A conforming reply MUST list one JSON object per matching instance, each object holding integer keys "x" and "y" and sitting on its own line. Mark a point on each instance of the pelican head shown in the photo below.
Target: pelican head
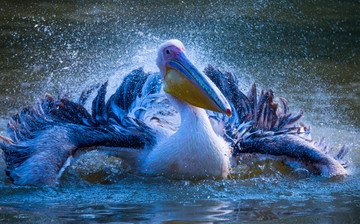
{"x": 183, "y": 80}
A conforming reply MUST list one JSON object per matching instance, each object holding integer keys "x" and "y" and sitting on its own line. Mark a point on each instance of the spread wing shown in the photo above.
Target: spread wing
{"x": 259, "y": 125}
{"x": 45, "y": 136}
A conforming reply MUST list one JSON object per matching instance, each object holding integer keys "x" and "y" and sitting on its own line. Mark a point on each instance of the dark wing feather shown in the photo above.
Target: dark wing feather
{"x": 45, "y": 136}
{"x": 260, "y": 126}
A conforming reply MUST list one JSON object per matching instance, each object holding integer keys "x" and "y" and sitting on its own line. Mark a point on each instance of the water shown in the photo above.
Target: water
{"x": 307, "y": 52}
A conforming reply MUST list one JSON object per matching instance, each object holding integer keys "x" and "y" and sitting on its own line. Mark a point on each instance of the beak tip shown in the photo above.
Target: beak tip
{"x": 228, "y": 112}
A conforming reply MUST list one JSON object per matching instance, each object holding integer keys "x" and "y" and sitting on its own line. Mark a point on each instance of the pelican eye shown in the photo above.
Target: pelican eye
{"x": 167, "y": 52}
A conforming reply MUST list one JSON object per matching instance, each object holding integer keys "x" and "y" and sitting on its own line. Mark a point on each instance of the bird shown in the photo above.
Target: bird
{"x": 179, "y": 123}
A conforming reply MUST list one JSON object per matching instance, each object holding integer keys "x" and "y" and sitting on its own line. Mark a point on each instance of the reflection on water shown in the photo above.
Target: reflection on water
{"x": 306, "y": 51}
{"x": 155, "y": 201}
{"x": 198, "y": 211}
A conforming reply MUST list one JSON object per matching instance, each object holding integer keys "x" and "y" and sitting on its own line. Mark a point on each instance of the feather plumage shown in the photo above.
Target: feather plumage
{"x": 170, "y": 136}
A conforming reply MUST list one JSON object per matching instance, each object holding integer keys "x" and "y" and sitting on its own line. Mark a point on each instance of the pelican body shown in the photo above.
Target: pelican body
{"x": 195, "y": 150}
{"x": 179, "y": 123}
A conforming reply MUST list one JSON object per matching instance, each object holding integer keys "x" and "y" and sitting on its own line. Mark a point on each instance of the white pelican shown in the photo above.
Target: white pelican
{"x": 177, "y": 124}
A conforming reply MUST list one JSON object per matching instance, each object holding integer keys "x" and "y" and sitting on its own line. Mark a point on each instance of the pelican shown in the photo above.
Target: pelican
{"x": 181, "y": 123}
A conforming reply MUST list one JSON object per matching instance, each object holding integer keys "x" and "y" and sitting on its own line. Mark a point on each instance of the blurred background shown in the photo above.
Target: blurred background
{"x": 306, "y": 51}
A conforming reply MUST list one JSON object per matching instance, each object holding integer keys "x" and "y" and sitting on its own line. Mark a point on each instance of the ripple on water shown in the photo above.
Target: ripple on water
{"x": 306, "y": 51}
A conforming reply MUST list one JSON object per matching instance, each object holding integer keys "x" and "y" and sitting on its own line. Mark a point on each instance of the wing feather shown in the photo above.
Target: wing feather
{"x": 260, "y": 126}
{"x": 43, "y": 137}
